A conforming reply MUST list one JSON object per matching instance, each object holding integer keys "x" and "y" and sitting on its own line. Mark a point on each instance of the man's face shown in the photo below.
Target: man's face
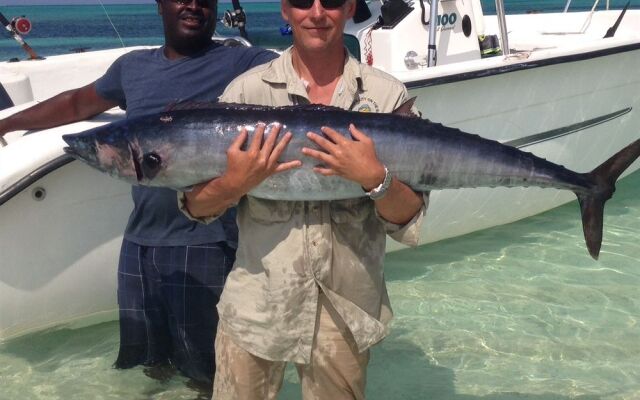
{"x": 188, "y": 20}
{"x": 317, "y": 28}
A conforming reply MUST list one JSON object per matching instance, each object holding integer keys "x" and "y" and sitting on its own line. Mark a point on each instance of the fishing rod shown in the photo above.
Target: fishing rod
{"x": 111, "y": 22}
{"x": 236, "y": 19}
{"x": 18, "y": 27}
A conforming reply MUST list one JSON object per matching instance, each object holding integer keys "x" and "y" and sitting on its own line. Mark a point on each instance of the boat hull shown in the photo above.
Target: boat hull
{"x": 563, "y": 112}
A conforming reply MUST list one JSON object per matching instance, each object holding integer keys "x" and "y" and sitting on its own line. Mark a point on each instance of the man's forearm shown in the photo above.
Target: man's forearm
{"x": 400, "y": 204}
{"x": 70, "y": 106}
{"x": 212, "y": 198}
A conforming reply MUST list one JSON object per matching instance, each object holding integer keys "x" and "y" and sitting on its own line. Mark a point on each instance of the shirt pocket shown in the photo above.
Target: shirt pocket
{"x": 351, "y": 210}
{"x": 269, "y": 211}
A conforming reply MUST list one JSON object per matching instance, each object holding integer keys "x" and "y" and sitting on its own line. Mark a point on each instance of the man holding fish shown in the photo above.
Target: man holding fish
{"x": 308, "y": 285}
{"x": 171, "y": 269}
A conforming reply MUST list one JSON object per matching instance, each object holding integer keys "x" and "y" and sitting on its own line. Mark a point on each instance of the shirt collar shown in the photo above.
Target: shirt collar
{"x": 281, "y": 71}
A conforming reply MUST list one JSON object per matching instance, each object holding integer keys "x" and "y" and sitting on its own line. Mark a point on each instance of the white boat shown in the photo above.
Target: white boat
{"x": 562, "y": 92}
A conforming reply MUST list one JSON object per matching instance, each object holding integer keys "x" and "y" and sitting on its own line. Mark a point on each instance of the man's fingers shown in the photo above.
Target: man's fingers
{"x": 324, "y": 143}
{"x": 324, "y": 171}
{"x": 239, "y": 140}
{"x": 288, "y": 165}
{"x": 280, "y": 147}
{"x": 356, "y": 133}
{"x": 319, "y": 155}
{"x": 258, "y": 135}
{"x": 333, "y": 135}
{"x": 270, "y": 142}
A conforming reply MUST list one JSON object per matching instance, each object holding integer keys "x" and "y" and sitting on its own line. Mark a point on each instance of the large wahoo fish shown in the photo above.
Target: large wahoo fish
{"x": 182, "y": 147}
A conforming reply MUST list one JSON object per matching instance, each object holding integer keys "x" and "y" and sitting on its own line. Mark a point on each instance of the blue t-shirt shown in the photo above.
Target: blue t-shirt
{"x": 144, "y": 82}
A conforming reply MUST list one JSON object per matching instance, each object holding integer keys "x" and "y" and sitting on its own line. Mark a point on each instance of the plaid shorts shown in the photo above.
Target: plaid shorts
{"x": 167, "y": 298}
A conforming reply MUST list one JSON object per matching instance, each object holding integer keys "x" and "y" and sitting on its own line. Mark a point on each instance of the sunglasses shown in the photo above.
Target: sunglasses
{"x": 326, "y": 4}
{"x": 201, "y": 3}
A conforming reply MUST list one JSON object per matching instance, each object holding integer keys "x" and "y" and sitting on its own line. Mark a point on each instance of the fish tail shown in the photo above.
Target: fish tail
{"x": 592, "y": 202}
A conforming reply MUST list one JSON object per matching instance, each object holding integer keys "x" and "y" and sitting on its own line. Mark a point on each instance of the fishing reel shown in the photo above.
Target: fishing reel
{"x": 20, "y": 25}
{"x": 234, "y": 19}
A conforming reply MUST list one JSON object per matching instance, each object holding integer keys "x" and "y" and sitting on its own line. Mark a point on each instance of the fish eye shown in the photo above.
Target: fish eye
{"x": 151, "y": 163}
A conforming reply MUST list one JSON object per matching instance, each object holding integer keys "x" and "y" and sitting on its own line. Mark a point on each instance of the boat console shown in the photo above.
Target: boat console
{"x": 397, "y": 37}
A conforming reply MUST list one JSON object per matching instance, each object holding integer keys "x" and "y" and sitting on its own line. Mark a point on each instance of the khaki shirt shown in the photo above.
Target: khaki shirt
{"x": 289, "y": 250}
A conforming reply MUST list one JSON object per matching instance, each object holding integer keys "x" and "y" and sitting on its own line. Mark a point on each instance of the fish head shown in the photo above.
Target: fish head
{"x": 108, "y": 149}
{"x": 119, "y": 150}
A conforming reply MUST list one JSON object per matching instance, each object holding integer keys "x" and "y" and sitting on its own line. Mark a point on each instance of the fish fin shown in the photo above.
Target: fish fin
{"x": 592, "y": 202}
{"x": 592, "y": 209}
{"x": 406, "y": 109}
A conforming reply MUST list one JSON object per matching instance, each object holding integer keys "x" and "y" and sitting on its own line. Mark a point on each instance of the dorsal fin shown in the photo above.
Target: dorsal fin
{"x": 405, "y": 109}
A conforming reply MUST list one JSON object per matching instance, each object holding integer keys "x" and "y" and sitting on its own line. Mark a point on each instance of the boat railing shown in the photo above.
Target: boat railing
{"x": 568, "y": 3}
{"x": 502, "y": 24}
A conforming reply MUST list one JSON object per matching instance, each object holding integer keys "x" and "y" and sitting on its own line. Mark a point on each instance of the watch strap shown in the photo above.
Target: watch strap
{"x": 380, "y": 191}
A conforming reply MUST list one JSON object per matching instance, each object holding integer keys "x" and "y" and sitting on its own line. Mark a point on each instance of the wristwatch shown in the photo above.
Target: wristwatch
{"x": 380, "y": 191}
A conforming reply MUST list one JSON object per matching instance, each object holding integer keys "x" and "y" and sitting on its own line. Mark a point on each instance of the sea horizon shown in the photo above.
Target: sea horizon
{"x": 60, "y": 26}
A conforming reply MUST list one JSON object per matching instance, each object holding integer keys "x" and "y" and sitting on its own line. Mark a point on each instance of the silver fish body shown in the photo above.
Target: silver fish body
{"x": 180, "y": 148}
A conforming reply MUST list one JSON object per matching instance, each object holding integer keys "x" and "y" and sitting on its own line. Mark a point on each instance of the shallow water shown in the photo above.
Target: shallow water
{"x": 515, "y": 312}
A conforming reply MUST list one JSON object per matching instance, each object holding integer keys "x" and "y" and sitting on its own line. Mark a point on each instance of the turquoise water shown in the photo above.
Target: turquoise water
{"x": 515, "y": 312}
{"x": 61, "y": 29}
{"x": 64, "y": 29}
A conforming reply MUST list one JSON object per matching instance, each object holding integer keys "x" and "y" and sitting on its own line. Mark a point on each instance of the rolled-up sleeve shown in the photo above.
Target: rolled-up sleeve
{"x": 409, "y": 233}
{"x": 232, "y": 94}
{"x": 182, "y": 205}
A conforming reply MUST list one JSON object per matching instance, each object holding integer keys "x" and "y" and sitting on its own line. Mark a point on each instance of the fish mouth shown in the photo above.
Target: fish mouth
{"x": 71, "y": 151}
{"x": 79, "y": 147}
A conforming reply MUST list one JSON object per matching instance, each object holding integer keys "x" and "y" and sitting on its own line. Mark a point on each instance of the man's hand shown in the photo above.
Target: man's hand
{"x": 353, "y": 159}
{"x": 246, "y": 169}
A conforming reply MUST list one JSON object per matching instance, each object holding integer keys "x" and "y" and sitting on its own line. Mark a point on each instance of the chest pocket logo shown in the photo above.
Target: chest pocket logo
{"x": 366, "y": 104}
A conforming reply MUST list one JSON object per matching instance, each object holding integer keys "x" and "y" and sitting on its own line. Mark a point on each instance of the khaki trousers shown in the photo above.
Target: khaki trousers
{"x": 337, "y": 371}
